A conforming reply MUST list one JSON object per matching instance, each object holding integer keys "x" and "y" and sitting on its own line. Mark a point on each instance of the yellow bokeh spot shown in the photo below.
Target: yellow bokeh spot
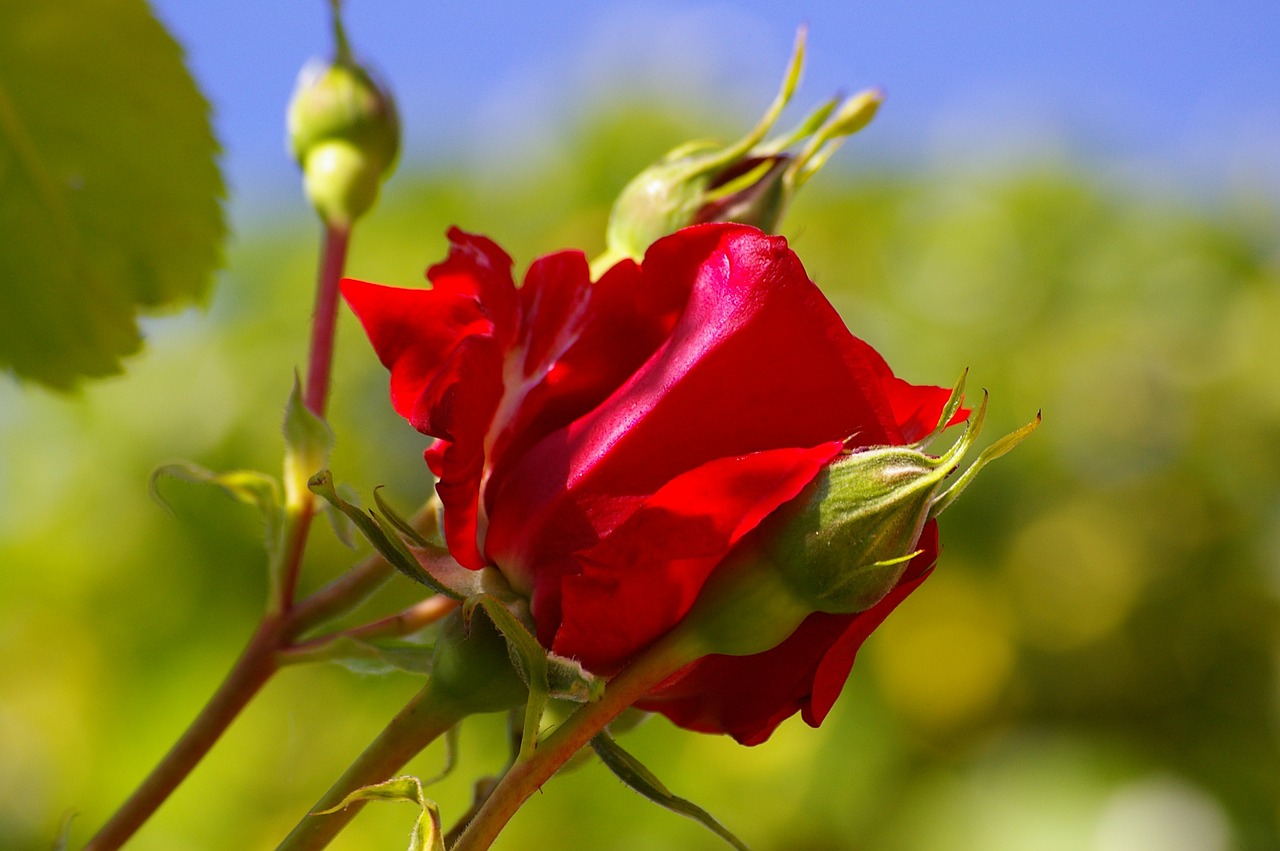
{"x": 1075, "y": 574}
{"x": 945, "y": 655}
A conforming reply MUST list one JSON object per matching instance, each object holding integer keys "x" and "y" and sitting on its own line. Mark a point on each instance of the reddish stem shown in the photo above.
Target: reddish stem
{"x": 252, "y": 670}
{"x": 280, "y": 625}
{"x": 324, "y": 320}
{"x": 524, "y": 778}
{"x": 423, "y": 719}
{"x": 333, "y": 258}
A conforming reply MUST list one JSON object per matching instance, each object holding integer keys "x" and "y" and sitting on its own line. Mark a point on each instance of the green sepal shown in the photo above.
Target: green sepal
{"x": 568, "y": 680}
{"x": 427, "y": 834}
{"x": 404, "y": 527}
{"x": 472, "y": 669}
{"x": 343, "y": 528}
{"x": 344, "y": 132}
{"x": 446, "y": 576}
{"x": 248, "y": 486}
{"x": 632, "y": 772}
{"x": 985, "y": 457}
{"x": 527, "y": 657}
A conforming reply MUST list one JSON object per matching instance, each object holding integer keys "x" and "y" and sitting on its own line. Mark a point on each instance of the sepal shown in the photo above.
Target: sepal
{"x": 839, "y": 547}
{"x": 430, "y": 565}
{"x": 544, "y": 674}
{"x": 370, "y": 657}
{"x": 427, "y": 834}
{"x": 472, "y": 668}
{"x": 848, "y": 540}
{"x": 633, "y": 773}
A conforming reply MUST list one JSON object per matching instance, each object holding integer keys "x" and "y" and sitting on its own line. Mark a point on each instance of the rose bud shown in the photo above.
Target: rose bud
{"x": 344, "y": 133}
{"x": 750, "y": 182}
{"x": 842, "y": 545}
{"x": 607, "y": 447}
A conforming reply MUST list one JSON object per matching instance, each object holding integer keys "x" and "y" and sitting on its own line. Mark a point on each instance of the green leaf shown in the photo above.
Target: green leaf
{"x": 373, "y": 657}
{"x": 632, "y": 772}
{"x": 427, "y": 835}
{"x": 109, "y": 187}
{"x": 247, "y": 486}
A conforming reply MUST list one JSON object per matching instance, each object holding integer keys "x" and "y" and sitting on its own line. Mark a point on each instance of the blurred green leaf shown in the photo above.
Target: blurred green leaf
{"x": 109, "y": 188}
{"x": 248, "y": 486}
{"x": 378, "y": 657}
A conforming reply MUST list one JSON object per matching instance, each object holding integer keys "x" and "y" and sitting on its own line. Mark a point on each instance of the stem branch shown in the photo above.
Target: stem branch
{"x": 254, "y": 667}
{"x": 333, "y": 258}
{"x": 423, "y": 719}
{"x": 655, "y": 665}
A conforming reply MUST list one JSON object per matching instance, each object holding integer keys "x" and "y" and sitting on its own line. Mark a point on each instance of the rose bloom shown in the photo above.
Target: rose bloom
{"x": 605, "y": 445}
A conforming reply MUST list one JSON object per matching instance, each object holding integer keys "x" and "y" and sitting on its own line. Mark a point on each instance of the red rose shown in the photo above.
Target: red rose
{"x": 606, "y": 445}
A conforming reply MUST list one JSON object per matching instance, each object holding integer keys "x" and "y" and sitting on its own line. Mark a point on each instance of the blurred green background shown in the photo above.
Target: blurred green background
{"x": 1093, "y": 665}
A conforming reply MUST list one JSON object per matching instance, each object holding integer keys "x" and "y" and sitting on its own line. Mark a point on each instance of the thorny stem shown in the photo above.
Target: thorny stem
{"x": 253, "y": 669}
{"x": 333, "y": 259}
{"x": 425, "y": 718}
{"x": 260, "y": 659}
{"x": 655, "y": 665}
{"x": 285, "y": 620}
{"x": 324, "y": 318}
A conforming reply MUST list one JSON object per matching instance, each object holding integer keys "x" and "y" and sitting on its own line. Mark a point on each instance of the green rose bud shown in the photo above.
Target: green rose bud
{"x": 840, "y": 546}
{"x": 345, "y": 134}
{"x": 751, "y": 181}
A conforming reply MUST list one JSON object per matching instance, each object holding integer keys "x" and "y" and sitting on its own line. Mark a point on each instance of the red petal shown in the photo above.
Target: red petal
{"x": 477, "y": 268}
{"x": 642, "y": 579}
{"x": 412, "y": 331}
{"x": 584, "y": 340}
{"x": 757, "y": 360}
{"x": 458, "y": 407}
{"x": 917, "y": 408}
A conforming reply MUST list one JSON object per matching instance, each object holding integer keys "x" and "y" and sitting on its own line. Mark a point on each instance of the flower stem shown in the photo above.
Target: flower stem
{"x": 651, "y": 668}
{"x": 333, "y": 259}
{"x": 324, "y": 318}
{"x": 425, "y": 718}
{"x": 254, "y": 667}
{"x": 283, "y": 621}
{"x": 416, "y": 617}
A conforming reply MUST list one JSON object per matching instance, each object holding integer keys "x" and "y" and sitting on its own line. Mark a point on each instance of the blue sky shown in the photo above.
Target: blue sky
{"x": 1185, "y": 91}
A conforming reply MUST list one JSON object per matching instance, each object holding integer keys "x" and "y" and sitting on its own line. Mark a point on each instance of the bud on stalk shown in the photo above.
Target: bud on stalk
{"x": 345, "y": 134}
{"x": 750, "y": 181}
